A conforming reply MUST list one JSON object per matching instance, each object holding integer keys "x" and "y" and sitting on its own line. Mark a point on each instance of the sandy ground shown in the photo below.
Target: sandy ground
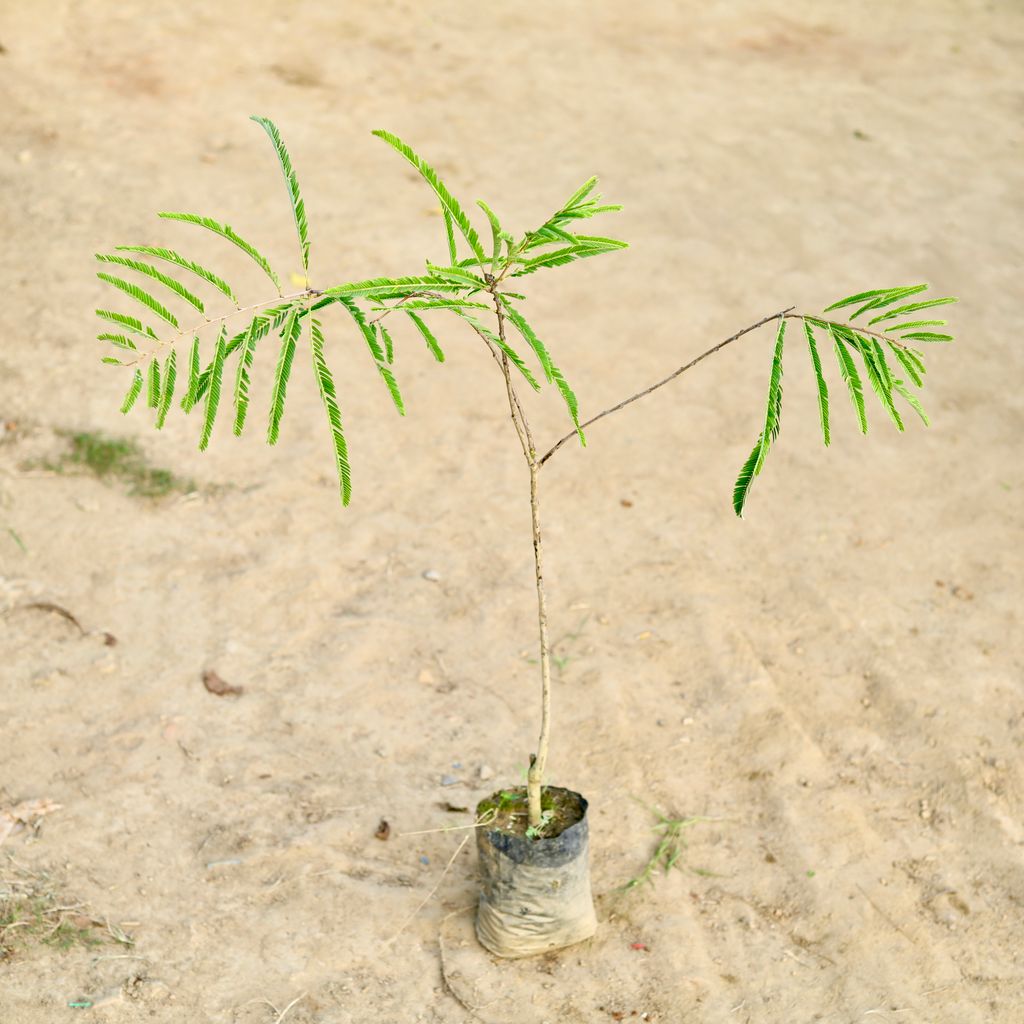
{"x": 835, "y": 682}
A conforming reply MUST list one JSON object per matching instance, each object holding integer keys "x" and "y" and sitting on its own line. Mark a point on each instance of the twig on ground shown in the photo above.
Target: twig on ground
{"x": 426, "y": 899}
{"x": 446, "y": 980}
{"x": 281, "y": 1015}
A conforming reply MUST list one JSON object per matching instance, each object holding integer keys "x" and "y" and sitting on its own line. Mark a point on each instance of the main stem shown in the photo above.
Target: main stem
{"x": 535, "y": 776}
{"x": 538, "y": 761}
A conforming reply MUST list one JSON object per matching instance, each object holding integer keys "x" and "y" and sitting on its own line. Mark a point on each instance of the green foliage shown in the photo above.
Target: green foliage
{"x": 770, "y": 431}
{"x": 213, "y": 391}
{"x": 329, "y": 397}
{"x": 668, "y": 851}
{"x": 157, "y": 275}
{"x": 812, "y": 345}
{"x": 858, "y": 350}
{"x": 471, "y": 289}
{"x": 133, "y": 392}
{"x": 139, "y": 295}
{"x": 225, "y": 231}
{"x": 453, "y": 212}
{"x": 289, "y": 336}
{"x": 298, "y": 206}
{"x": 170, "y": 375}
{"x": 428, "y": 336}
{"x": 552, "y": 372}
{"x": 127, "y": 323}
{"x": 180, "y": 261}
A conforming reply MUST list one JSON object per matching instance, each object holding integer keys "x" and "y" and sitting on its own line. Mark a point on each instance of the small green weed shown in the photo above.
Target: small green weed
{"x": 668, "y": 854}
{"x": 33, "y": 912}
{"x": 119, "y": 458}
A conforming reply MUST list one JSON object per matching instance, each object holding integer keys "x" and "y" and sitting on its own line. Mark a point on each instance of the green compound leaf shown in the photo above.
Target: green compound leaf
{"x": 927, "y": 336}
{"x": 891, "y": 296}
{"x": 180, "y": 261}
{"x": 191, "y": 395}
{"x": 428, "y": 336}
{"x": 392, "y": 384}
{"x": 289, "y": 335}
{"x": 879, "y": 376}
{"x": 772, "y": 421}
{"x": 392, "y": 288}
{"x": 127, "y": 323}
{"x": 449, "y": 204}
{"x": 330, "y": 399}
{"x": 298, "y": 206}
{"x": 911, "y": 400}
{"x": 245, "y": 360}
{"x": 457, "y": 275}
{"x": 449, "y": 231}
{"x": 367, "y": 330}
{"x": 896, "y": 328}
{"x": 225, "y": 231}
{"x": 848, "y": 370}
{"x": 157, "y": 275}
{"x": 742, "y": 486}
{"x": 513, "y": 357}
{"x": 822, "y": 386}
{"x": 496, "y": 234}
{"x": 135, "y": 292}
{"x": 876, "y": 298}
{"x": 551, "y": 371}
{"x": 213, "y": 390}
{"x": 582, "y": 248}
{"x": 389, "y": 344}
{"x": 153, "y": 384}
{"x": 119, "y": 340}
{"x": 913, "y": 366}
{"x": 913, "y": 307}
{"x": 134, "y": 391}
{"x": 170, "y": 375}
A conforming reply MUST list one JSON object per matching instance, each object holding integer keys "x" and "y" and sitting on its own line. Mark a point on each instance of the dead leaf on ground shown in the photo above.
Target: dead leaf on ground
{"x": 217, "y": 686}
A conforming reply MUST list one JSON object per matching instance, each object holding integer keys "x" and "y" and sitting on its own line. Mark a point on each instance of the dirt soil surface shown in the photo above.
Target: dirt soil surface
{"x": 833, "y": 685}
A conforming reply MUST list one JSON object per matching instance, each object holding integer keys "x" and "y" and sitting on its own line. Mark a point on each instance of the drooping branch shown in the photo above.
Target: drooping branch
{"x": 667, "y": 380}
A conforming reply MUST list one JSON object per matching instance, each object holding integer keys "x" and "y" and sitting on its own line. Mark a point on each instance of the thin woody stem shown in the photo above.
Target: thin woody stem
{"x": 661, "y": 383}
{"x": 538, "y": 761}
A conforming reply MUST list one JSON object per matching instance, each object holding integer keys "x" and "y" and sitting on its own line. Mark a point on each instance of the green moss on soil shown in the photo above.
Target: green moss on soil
{"x": 508, "y": 811}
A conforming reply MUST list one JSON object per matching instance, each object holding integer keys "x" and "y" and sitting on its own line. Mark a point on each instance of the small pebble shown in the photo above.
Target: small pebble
{"x": 424, "y": 859}
{"x": 448, "y": 780}
{"x": 456, "y": 765}
{"x": 486, "y": 772}
{"x": 432, "y": 574}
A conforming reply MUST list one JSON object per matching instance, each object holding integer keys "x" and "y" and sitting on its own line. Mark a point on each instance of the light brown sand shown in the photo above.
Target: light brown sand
{"x": 835, "y": 681}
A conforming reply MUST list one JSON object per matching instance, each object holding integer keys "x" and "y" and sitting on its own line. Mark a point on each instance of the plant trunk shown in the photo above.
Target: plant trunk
{"x": 538, "y": 761}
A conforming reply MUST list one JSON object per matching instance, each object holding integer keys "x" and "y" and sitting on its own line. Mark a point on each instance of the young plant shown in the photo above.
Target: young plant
{"x": 474, "y": 283}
